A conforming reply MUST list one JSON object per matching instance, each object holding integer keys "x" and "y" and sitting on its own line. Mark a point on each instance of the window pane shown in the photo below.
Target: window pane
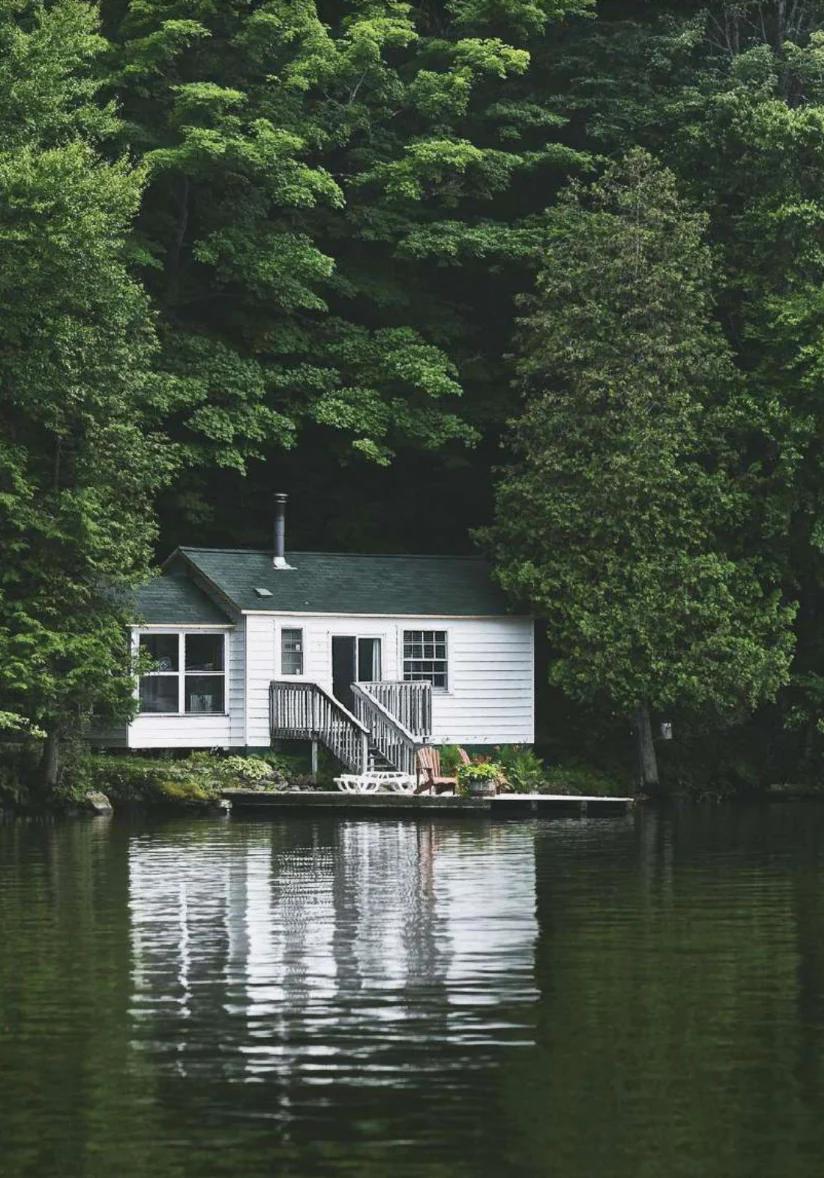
{"x": 158, "y": 693}
{"x": 369, "y": 660}
{"x": 204, "y": 652}
{"x": 162, "y": 648}
{"x": 291, "y": 652}
{"x": 204, "y": 693}
{"x": 424, "y": 657}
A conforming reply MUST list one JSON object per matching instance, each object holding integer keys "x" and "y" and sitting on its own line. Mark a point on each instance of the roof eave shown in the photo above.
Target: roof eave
{"x": 214, "y": 588}
{"x": 330, "y": 613}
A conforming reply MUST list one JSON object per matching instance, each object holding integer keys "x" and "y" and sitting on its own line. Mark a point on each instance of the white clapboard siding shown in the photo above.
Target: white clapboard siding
{"x": 197, "y": 730}
{"x": 260, "y": 671}
{"x": 236, "y": 685}
{"x": 179, "y": 732}
{"x": 490, "y": 698}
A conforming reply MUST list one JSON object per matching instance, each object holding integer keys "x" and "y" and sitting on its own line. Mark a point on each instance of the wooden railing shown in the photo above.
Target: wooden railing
{"x": 409, "y": 703}
{"x": 306, "y": 711}
{"x": 388, "y": 735}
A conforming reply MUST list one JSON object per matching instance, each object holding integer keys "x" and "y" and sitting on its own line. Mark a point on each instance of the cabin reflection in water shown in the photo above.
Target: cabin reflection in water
{"x": 331, "y": 951}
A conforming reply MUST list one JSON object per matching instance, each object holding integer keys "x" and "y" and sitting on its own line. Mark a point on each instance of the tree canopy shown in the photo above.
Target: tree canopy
{"x": 281, "y": 244}
{"x": 78, "y": 469}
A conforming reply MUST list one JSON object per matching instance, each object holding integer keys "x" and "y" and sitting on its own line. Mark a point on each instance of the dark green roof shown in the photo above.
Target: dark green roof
{"x": 336, "y": 583}
{"x": 173, "y": 599}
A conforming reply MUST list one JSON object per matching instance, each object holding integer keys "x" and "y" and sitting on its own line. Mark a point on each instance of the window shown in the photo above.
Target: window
{"x": 424, "y": 657}
{"x": 188, "y": 675}
{"x": 369, "y": 660}
{"x": 160, "y": 688}
{"x": 291, "y": 652}
{"x": 204, "y": 678}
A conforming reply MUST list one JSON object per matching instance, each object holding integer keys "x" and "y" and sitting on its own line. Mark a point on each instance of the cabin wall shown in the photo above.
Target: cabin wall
{"x": 184, "y": 731}
{"x": 260, "y": 671}
{"x": 491, "y": 694}
{"x": 490, "y": 698}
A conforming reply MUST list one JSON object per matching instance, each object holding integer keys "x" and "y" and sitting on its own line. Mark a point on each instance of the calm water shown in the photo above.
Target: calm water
{"x": 630, "y": 998}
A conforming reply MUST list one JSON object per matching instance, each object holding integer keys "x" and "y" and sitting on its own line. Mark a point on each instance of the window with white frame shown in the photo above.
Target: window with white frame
{"x": 425, "y": 657}
{"x": 187, "y": 675}
{"x": 291, "y": 652}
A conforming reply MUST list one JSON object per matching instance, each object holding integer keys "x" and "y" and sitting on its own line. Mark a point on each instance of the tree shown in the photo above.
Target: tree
{"x": 326, "y": 218}
{"x": 630, "y": 516}
{"x": 78, "y": 468}
{"x": 730, "y": 97}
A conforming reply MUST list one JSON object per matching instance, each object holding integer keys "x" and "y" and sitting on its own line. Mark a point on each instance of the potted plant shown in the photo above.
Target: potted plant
{"x": 480, "y": 779}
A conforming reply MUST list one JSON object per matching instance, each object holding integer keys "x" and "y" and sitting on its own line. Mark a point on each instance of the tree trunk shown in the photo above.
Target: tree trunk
{"x": 50, "y": 763}
{"x": 647, "y": 759}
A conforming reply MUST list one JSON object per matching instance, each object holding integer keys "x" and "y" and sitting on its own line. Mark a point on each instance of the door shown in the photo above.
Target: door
{"x": 354, "y": 660}
{"x": 343, "y": 668}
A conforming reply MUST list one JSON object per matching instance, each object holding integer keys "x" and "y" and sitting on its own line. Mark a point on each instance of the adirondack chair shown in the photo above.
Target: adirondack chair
{"x": 429, "y": 770}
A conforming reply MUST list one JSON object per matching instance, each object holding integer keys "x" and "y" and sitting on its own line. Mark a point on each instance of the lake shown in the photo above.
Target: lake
{"x": 632, "y": 997}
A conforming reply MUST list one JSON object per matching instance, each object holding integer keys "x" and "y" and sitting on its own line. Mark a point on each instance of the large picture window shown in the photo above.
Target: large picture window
{"x": 188, "y": 673}
{"x": 425, "y": 657}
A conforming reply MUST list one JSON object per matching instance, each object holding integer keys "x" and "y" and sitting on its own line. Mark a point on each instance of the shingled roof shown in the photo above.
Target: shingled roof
{"x": 174, "y": 599}
{"x": 338, "y": 583}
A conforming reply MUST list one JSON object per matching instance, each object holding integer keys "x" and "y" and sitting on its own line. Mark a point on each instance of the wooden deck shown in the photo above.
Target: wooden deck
{"x": 507, "y": 805}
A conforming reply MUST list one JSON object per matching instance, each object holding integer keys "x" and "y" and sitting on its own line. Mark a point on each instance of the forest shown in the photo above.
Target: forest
{"x": 538, "y": 278}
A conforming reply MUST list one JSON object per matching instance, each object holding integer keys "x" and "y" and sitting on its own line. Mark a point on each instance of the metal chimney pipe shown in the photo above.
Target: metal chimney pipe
{"x": 279, "y": 560}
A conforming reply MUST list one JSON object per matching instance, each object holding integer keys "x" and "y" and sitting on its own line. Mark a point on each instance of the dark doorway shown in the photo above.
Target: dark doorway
{"x": 343, "y": 668}
{"x": 354, "y": 660}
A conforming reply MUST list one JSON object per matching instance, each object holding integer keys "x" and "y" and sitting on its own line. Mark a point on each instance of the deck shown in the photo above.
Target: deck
{"x": 506, "y": 805}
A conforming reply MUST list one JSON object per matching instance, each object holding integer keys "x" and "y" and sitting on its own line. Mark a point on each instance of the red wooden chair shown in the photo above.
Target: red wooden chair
{"x": 429, "y": 770}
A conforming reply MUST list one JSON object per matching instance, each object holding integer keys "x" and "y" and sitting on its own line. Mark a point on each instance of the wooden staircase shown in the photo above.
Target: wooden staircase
{"x": 390, "y": 722}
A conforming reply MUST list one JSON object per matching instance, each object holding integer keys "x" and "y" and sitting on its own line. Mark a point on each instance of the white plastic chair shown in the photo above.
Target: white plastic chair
{"x": 357, "y": 783}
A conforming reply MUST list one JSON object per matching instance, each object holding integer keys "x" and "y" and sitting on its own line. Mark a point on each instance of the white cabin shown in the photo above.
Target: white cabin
{"x": 371, "y": 655}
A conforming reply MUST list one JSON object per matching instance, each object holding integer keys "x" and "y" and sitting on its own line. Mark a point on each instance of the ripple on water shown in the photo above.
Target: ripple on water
{"x": 619, "y": 997}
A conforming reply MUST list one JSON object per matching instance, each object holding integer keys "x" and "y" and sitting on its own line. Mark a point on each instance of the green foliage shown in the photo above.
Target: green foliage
{"x": 523, "y": 768}
{"x": 248, "y": 772}
{"x": 298, "y": 160}
{"x": 579, "y": 779}
{"x": 78, "y": 467}
{"x": 239, "y": 238}
{"x": 20, "y": 726}
{"x": 130, "y": 780}
{"x": 451, "y": 759}
{"x": 730, "y": 96}
{"x": 196, "y": 779}
{"x": 622, "y": 520}
{"x": 479, "y": 772}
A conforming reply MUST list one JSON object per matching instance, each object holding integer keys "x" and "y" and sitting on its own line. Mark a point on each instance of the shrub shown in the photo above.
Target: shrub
{"x": 450, "y": 760}
{"x": 479, "y": 771}
{"x": 525, "y": 771}
{"x": 128, "y": 780}
{"x": 581, "y": 779}
{"x": 249, "y": 772}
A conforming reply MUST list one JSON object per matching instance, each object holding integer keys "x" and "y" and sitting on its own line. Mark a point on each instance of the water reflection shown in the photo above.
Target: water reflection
{"x": 331, "y": 953}
{"x": 314, "y": 997}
